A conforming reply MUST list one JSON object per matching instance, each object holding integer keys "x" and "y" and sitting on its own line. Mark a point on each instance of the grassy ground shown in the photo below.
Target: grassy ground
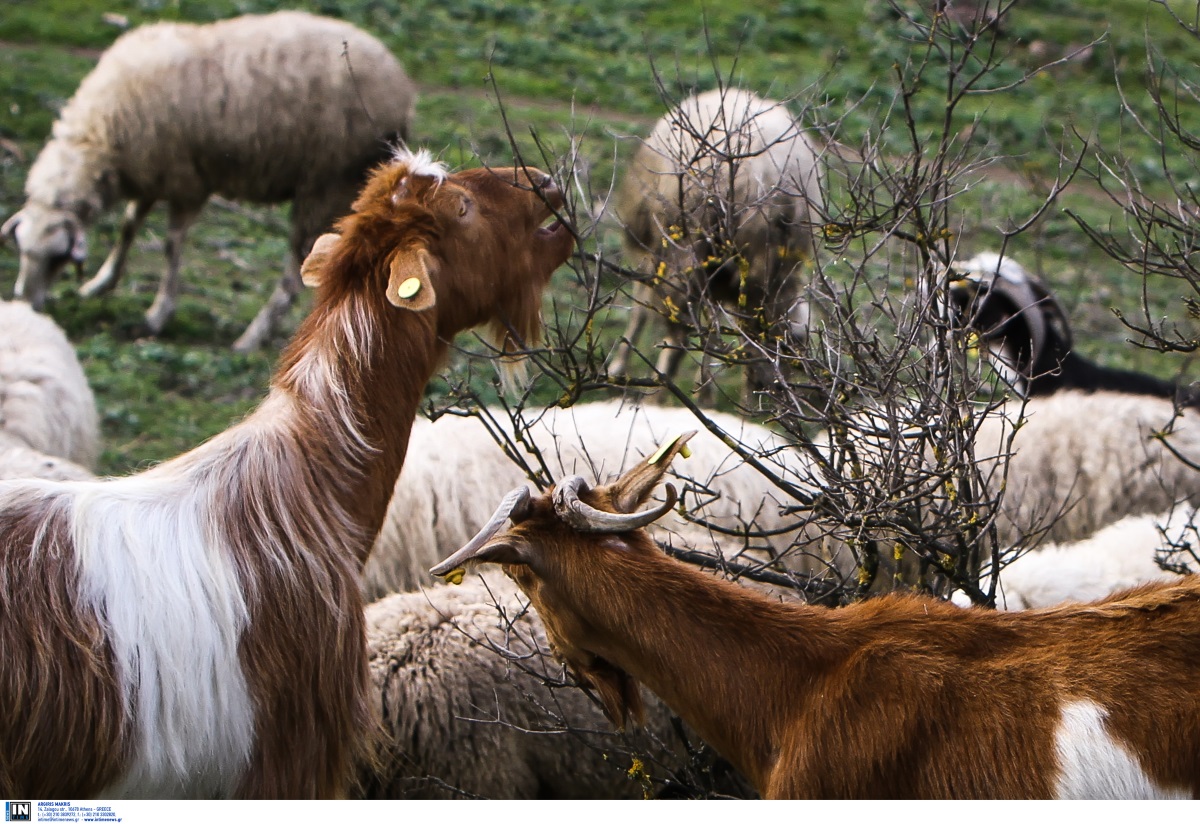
{"x": 573, "y": 74}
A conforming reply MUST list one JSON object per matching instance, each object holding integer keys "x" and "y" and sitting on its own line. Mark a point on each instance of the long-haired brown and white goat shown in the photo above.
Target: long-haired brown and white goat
{"x": 197, "y": 630}
{"x": 900, "y": 696}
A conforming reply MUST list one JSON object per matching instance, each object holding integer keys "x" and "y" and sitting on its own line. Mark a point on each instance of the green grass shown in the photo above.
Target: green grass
{"x": 581, "y": 75}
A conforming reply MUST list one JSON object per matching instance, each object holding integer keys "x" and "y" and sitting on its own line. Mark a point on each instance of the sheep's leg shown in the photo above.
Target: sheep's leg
{"x": 114, "y": 265}
{"x": 280, "y": 301}
{"x": 642, "y": 295}
{"x": 706, "y": 392}
{"x": 672, "y": 352}
{"x": 179, "y": 221}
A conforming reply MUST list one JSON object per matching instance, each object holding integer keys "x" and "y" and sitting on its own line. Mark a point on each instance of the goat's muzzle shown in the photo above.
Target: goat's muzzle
{"x": 515, "y": 506}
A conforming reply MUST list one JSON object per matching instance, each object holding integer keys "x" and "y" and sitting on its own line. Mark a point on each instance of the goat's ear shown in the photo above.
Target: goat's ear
{"x": 503, "y": 550}
{"x": 410, "y": 281}
{"x": 618, "y": 693}
{"x": 312, "y": 270}
{"x": 632, "y": 490}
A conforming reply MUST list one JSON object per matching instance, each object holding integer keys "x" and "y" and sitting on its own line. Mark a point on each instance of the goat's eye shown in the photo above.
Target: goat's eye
{"x": 464, "y": 206}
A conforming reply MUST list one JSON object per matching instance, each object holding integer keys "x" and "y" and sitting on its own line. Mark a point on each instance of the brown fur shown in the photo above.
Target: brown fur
{"x": 489, "y": 272}
{"x": 898, "y": 697}
{"x": 295, "y": 494}
{"x": 42, "y": 626}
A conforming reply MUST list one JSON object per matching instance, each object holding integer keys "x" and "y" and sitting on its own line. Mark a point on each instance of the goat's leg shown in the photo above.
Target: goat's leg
{"x": 179, "y": 221}
{"x": 114, "y": 265}
{"x": 280, "y": 301}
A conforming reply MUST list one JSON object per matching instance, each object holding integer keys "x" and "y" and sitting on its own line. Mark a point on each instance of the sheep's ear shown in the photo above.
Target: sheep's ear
{"x": 410, "y": 282}
{"x": 9, "y": 229}
{"x": 312, "y": 270}
{"x": 619, "y": 695}
{"x": 632, "y": 490}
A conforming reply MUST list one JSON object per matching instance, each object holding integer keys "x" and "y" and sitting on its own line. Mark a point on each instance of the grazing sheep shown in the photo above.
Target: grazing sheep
{"x": 719, "y": 205}
{"x": 473, "y": 706}
{"x": 47, "y": 410}
{"x": 1028, "y": 336}
{"x": 895, "y": 697}
{"x": 197, "y": 629}
{"x": 269, "y": 108}
{"x": 455, "y": 469}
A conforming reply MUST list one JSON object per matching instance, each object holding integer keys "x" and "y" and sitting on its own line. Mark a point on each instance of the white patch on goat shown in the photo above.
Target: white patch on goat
{"x": 1092, "y": 764}
{"x": 421, "y": 163}
{"x": 168, "y": 595}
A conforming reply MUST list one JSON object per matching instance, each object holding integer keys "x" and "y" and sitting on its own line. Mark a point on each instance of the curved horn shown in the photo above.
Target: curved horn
{"x": 586, "y": 518}
{"x": 515, "y": 505}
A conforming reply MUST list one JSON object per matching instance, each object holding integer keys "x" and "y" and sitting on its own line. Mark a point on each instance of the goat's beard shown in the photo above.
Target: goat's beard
{"x": 510, "y": 342}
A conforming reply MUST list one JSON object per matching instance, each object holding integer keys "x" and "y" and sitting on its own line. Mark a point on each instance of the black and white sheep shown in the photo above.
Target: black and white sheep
{"x": 262, "y": 108}
{"x": 719, "y": 205}
{"x": 454, "y": 471}
{"x": 48, "y": 422}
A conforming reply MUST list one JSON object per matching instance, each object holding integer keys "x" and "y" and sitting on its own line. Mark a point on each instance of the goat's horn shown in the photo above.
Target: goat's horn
{"x": 1029, "y": 309}
{"x": 515, "y": 505}
{"x": 586, "y": 518}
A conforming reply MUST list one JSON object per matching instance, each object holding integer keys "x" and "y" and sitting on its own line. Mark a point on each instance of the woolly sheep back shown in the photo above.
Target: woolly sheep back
{"x": 46, "y": 404}
{"x": 724, "y": 172}
{"x": 1117, "y": 557}
{"x": 454, "y": 475}
{"x": 461, "y": 719}
{"x": 1094, "y": 454}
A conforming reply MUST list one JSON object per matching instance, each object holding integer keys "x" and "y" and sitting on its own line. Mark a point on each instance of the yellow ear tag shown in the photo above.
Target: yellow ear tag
{"x": 662, "y": 450}
{"x": 455, "y": 576}
{"x": 406, "y": 290}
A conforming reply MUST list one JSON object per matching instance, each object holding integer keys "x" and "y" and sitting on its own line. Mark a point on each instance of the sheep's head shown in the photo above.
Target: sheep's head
{"x": 48, "y": 239}
{"x": 471, "y": 245}
{"x": 557, "y": 550}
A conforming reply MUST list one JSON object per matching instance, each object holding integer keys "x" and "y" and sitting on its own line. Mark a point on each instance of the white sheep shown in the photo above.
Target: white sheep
{"x": 473, "y": 705}
{"x": 1117, "y": 557}
{"x": 270, "y": 108}
{"x": 719, "y": 204}
{"x": 1083, "y": 460}
{"x": 454, "y": 468}
{"x": 47, "y": 411}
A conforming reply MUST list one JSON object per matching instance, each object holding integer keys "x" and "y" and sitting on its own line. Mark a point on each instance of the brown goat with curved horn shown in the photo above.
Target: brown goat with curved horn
{"x": 896, "y": 697}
